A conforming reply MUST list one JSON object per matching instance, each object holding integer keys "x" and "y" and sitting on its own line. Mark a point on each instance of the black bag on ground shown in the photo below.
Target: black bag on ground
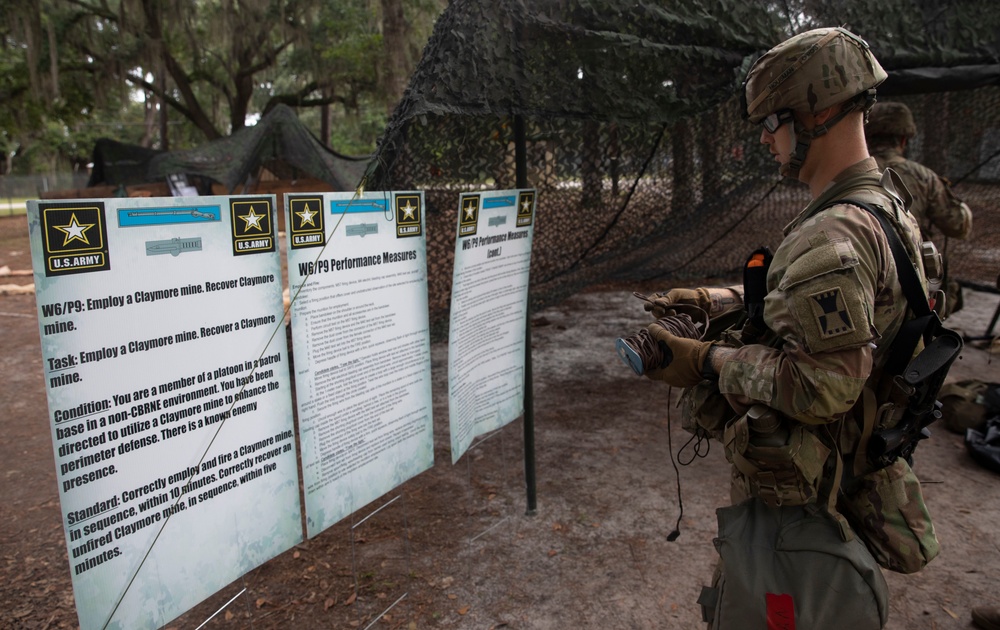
{"x": 984, "y": 446}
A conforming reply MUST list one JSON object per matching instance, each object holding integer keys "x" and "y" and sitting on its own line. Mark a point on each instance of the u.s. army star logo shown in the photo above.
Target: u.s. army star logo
{"x": 468, "y": 215}
{"x": 306, "y": 222}
{"x": 74, "y": 238}
{"x": 253, "y": 231}
{"x": 407, "y": 215}
{"x": 831, "y": 313}
{"x": 525, "y": 207}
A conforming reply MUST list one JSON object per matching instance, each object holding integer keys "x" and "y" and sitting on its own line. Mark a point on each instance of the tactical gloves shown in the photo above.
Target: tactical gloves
{"x": 670, "y": 349}
{"x": 660, "y": 304}
{"x": 683, "y": 359}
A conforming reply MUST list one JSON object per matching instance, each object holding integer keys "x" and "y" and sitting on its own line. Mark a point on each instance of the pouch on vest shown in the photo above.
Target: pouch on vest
{"x": 887, "y": 511}
{"x": 789, "y": 567}
{"x": 704, "y": 408}
{"x": 781, "y": 463}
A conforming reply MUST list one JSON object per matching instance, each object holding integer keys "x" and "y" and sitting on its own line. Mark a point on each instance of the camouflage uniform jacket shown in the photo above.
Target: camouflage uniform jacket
{"x": 934, "y": 204}
{"x": 834, "y": 305}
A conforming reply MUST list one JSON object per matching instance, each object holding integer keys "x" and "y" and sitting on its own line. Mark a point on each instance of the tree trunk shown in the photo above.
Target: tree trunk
{"x": 53, "y": 60}
{"x": 590, "y": 164}
{"x": 195, "y": 113}
{"x": 394, "y": 43}
{"x": 684, "y": 198}
{"x": 614, "y": 155}
{"x": 31, "y": 36}
{"x": 713, "y": 144}
{"x": 324, "y": 123}
{"x": 164, "y": 128}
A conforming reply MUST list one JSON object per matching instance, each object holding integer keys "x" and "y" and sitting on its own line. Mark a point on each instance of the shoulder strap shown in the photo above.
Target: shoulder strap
{"x": 924, "y": 373}
{"x": 925, "y": 322}
{"x": 912, "y": 289}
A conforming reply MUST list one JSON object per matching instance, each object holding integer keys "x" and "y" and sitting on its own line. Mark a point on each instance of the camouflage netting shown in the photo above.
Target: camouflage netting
{"x": 646, "y": 172}
{"x": 279, "y": 142}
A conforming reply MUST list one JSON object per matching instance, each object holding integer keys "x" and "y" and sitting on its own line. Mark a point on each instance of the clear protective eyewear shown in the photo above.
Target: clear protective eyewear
{"x": 772, "y": 122}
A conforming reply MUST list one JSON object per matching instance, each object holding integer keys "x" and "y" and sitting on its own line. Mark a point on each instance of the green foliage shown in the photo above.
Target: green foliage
{"x": 353, "y": 131}
{"x": 75, "y": 70}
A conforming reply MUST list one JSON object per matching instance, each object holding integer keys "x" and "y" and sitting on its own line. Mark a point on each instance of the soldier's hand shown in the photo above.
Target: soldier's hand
{"x": 683, "y": 358}
{"x": 661, "y": 304}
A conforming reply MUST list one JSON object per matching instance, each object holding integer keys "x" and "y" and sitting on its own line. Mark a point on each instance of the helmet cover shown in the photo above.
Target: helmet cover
{"x": 810, "y": 72}
{"x": 890, "y": 119}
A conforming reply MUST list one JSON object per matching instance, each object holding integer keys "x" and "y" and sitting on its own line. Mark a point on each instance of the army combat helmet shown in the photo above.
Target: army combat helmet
{"x": 890, "y": 119}
{"x": 809, "y": 73}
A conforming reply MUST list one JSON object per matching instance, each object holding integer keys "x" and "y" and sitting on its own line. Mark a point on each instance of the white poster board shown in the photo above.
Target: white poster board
{"x": 357, "y": 271}
{"x": 166, "y": 371}
{"x": 489, "y": 305}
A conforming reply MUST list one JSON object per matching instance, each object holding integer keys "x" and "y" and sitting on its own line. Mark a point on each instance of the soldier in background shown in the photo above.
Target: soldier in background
{"x": 936, "y": 208}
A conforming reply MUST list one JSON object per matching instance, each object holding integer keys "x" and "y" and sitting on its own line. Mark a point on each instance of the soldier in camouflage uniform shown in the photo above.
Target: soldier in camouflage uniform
{"x": 832, "y": 309}
{"x": 934, "y": 206}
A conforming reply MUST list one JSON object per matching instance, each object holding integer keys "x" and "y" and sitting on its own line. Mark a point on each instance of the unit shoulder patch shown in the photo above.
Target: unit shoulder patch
{"x": 831, "y": 312}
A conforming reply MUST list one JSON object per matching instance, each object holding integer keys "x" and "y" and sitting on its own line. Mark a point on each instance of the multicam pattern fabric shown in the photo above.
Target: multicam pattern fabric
{"x": 889, "y": 514}
{"x": 786, "y": 474}
{"x": 810, "y": 72}
{"x": 968, "y": 403}
{"x": 705, "y": 410}
{"x": 816, "y": 376}
{"x": 834, "y": 306}
{"x": 935, "y": 207}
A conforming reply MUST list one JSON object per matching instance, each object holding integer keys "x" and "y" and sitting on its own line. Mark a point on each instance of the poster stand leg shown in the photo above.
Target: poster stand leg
{"x": 529, "y": 421}
{"x": 223, "y": 607}
{"x": 379, "y": 616}
{"x": 500, "y": 483}
{"x": 355, "y": 561}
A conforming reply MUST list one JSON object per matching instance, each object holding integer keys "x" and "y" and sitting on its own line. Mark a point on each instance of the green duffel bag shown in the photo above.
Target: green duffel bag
{"x": 790, "y": 567}
{"x": 968, "y": 403}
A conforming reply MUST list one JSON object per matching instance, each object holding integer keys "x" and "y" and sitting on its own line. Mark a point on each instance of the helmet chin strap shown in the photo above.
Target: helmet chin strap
{"x": 804, "y": 137}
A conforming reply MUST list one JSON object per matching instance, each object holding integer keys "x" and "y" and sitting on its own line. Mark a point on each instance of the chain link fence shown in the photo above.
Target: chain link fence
{"x": 15, "y": 189}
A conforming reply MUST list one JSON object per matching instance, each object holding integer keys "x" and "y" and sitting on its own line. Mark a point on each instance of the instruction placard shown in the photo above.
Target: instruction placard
{"x": 361, "y": 345}
{"x": 489, "y": 305}
{"x": 166, "y": 371}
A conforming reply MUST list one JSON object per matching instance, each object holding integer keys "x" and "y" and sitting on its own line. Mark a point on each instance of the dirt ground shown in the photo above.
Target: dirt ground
{"x": 456, "y": 548}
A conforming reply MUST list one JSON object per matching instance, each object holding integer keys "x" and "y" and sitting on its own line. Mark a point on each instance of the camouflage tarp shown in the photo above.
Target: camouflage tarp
{"x": 644, "y": 167}
{"x": 279, "y": 141}
{"x": 119, "y": 164}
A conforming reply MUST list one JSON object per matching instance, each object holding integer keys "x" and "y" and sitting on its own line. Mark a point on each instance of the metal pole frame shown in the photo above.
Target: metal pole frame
{"x": 521, "y": 181}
